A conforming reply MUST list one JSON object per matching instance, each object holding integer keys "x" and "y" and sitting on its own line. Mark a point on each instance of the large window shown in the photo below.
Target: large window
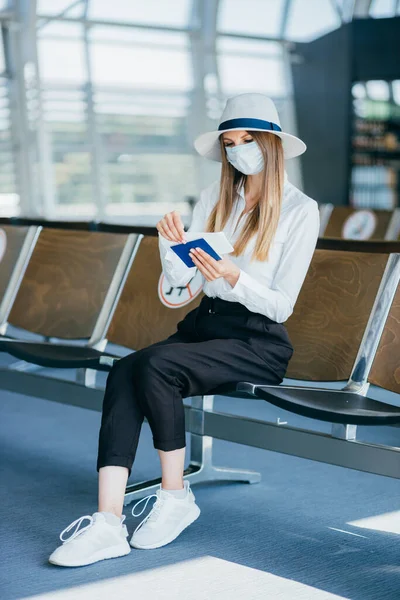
{"x": 117, "y": 110}
{"x": 63, "y": 71}
{"x": 140, "y": 59}
{"x": 127, "y": 85}
{"x": 142, "y": 82}
{"x": 252, "y": 17}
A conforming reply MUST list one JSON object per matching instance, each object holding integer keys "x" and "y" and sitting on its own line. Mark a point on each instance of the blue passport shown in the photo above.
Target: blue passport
{"x": 182, "y": 250}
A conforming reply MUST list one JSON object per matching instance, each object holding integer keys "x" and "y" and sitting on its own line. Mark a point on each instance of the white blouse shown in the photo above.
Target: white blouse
{"x": 268, "y": 287}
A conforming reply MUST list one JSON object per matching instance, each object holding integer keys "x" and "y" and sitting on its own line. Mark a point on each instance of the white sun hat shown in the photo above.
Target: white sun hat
{"x": 252, "y": 112}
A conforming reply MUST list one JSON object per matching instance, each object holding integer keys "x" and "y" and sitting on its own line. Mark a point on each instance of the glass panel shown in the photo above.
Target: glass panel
{"x": 65, "y": 117}
{"x": 254, "y": 17}
{"x": 310, "y": 20}
{"x": 241, "y": 47}
{"x": 145, "y": 148}
{"x": 55, "y": 7}
{"x": 151, "y": 12}
{"x": 60, "y": 29}
{"x": 137, "y": 37}
{"x": 141, "y": 103}
{"x": 150, "y": 177}
{"x": 383, "y": 8}
{"x": 251, "y": 67}
{"x": 145, "y": 66}
{"x": 54, "y": 53}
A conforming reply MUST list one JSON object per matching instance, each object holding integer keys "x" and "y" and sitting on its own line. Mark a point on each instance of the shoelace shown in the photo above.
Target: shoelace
{"x": 77, "y": 531}
{"x": 155, "y": 511}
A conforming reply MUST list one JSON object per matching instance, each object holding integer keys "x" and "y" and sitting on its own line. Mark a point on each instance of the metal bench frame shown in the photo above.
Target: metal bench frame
{"x": 204, "y": 424}
{"x": 17, "y": 275}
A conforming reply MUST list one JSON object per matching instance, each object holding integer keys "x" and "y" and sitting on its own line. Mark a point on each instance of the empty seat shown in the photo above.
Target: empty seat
{"x": 327, "y": 405}
{"x": 362, "y": 224}
{"x": 69, "y": 292}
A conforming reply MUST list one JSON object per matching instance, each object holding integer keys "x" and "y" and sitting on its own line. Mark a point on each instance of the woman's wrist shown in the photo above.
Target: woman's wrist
{"x": 232, "y": 278}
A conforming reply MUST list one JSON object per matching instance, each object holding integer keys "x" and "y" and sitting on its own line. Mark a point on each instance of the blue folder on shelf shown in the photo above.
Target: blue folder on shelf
{"x": 182, "y": 250}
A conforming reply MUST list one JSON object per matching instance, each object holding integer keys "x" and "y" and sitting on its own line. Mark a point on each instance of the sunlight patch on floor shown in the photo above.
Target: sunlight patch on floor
{"x": 389, "y": 522}
{"x": 204, "y": 578}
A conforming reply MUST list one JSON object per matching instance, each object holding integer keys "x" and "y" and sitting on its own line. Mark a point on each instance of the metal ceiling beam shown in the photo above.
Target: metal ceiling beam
{"x": 92, "y": 22}
{"x": 203, "y": 36}
{"x": 149, "y": 27}
{"x": 45, "y": 20}
{"x": 285, "y": 17}
{"x": 98, "y": 174}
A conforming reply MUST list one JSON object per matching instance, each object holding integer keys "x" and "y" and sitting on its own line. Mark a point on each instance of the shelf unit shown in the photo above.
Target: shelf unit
{"x": 375, "y": 154}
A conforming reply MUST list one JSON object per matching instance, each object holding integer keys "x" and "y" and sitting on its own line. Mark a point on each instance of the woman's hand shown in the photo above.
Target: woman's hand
{"x": 213, "y": 269}
{"x": 171, "y": 227}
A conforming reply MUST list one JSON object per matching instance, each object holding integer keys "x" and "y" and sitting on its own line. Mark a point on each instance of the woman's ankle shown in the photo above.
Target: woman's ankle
{"x": 111, "y": 518}
{"x": 174, "y": 485}
{"x": 110, "y": 510}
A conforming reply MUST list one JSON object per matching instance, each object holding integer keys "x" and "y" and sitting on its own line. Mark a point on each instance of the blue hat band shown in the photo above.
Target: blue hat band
{"x": 249, "y": 124}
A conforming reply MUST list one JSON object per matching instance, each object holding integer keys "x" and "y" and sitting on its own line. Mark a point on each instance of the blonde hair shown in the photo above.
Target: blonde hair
{"x": 263, "y": 220}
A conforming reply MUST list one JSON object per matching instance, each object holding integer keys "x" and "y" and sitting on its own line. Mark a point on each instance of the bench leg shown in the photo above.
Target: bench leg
{"x": 204, "y": 470}
{"x": 344, "y": 432}
{"x": 200, "y": 469}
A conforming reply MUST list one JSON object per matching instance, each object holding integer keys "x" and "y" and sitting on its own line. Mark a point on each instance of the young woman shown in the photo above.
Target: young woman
{"x": 236, "y": 333}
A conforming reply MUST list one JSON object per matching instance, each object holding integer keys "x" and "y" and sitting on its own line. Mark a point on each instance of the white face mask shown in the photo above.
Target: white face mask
{"x": 246, "y": 158}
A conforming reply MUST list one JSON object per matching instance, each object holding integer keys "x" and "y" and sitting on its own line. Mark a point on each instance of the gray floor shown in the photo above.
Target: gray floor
{"x": 308, "y": 530}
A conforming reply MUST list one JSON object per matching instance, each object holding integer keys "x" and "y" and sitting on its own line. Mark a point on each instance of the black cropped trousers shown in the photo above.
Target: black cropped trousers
{"x": 217, "y": 343}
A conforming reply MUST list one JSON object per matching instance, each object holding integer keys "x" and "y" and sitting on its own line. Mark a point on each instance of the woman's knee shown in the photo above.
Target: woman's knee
{"x": 122, "y": 369}
{"x": 156, "y": 362}
{"x": 143, "y": 366}
{"x": 128, "y": 362}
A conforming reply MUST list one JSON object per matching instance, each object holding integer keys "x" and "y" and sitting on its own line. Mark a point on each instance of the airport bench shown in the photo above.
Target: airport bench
{"x": 336, "y": 336}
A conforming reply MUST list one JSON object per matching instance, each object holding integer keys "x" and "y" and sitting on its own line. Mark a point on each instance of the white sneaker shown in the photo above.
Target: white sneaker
{"x": 167, "y": 519}
{"x": 97, "y": 541}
